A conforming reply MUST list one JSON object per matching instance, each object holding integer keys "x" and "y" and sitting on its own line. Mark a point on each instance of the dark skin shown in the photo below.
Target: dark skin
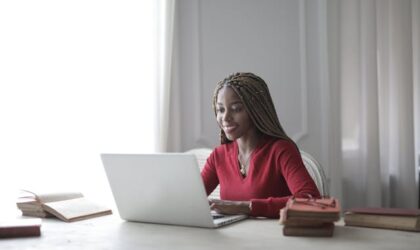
{"x": 233, "y": 118}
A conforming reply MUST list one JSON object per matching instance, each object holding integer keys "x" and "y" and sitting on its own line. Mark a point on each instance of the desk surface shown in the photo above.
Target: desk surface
{"x": 109, "y": 232}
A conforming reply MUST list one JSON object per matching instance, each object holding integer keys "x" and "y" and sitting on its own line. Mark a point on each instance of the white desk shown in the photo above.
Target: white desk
{"x": 110, "y": 232}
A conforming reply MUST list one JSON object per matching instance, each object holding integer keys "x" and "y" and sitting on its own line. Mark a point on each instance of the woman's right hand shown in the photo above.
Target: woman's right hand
{"x": 230, "y": 207}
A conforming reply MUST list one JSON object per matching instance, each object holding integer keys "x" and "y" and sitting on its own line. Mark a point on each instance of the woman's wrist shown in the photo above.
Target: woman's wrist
{"x": 246, "y": 207}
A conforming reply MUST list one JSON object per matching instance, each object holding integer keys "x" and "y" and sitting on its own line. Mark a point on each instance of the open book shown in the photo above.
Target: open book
{"x": 67, "y": 206}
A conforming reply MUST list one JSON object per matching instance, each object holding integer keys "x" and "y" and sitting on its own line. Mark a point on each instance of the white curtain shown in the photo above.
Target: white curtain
{"x": 166, "y": 41}
{"x": 377, "y": 75}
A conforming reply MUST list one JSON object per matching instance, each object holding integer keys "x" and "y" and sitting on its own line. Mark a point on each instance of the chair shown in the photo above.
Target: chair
{"x": 314, "y": 169}
{"x": 316, "y": 172}
{"x": 201, "y": 154}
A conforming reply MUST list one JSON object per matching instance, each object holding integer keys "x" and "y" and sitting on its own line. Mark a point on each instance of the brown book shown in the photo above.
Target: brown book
{"x": 387, "y": 218}
{"x": 67, "y": 206}
{"x": 20, "y": 228}
{"x": 310, "y": 217}
{"x": 304, "y": 222}
{"x": 322, "y": 210}
{"x": 325, "y": 230}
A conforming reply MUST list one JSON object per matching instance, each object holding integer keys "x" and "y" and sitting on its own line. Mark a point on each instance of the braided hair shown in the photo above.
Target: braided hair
{"x": 254, "y": 94}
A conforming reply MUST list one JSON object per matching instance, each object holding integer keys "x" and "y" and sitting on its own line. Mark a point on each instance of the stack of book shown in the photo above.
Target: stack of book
{"x": 387, "y": 218}
{"x": 67, "y": 206}
{"x": 310, "y": 217}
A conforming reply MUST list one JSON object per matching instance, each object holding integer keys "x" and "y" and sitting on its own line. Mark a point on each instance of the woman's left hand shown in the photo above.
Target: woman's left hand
{"x": 230, "y": 207}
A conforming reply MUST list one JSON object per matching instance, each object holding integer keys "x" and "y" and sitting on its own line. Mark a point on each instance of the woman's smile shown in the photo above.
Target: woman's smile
{"x": 229, "y": 128}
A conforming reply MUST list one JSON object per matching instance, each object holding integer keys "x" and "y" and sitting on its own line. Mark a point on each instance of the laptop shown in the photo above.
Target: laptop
{"x": 163, "y": 188}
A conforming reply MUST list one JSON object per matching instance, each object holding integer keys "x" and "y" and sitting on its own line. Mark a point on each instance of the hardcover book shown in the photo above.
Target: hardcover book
{"x": 20, "y": 228}
{"x": 387, "y": 218}
{"x": 325, "y": 209}
{"x": 67, "y": 206}
{"x": 310, "y": 217}
{"x": 324, "y": 230}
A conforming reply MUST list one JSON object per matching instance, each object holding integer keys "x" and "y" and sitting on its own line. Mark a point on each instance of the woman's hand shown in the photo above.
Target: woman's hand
{"x": 230, "y": 207}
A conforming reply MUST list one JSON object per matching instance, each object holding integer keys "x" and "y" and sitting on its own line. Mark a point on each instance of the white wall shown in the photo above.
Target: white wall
{"x": 284, "y": 42}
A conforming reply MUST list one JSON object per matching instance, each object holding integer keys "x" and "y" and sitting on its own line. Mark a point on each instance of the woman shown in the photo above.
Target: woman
{"x": 257, "y": 165}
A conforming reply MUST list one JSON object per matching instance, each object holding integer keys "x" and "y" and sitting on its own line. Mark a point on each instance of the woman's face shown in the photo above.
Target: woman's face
{"x": 232, "y": 116}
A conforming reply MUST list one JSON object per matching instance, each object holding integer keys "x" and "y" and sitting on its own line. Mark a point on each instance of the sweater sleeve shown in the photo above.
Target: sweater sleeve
{"x": 298, "y": 180}
{"x": 209, "y": 174}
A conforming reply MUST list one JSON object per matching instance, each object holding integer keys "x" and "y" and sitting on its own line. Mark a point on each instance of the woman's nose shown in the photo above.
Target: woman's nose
{"x": 227, "y": 116}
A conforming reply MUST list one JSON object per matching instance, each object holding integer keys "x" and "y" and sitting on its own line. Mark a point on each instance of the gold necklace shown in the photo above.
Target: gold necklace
{"x": 244, "y": 166}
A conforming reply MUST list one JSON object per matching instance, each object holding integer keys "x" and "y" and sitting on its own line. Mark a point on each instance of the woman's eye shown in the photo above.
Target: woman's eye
{"x": 220, "y": 110}
{"x": 236, "y": 109}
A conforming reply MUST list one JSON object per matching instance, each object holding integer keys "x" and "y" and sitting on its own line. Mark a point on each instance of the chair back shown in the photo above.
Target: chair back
{"x": 201, "y": 154}
{"x": 316, "y": 171}
{"x": 313, "y": 167}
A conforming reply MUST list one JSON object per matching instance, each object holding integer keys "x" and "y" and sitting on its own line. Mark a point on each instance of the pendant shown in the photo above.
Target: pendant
{"x": 242, "y": 170}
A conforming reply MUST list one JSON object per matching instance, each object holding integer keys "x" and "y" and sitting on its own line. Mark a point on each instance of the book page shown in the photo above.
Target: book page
{"x": 50, "y": 196}
{"x": 75, "y": 209}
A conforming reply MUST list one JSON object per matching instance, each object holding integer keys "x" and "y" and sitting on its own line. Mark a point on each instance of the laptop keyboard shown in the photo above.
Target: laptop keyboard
{"x": 217, "y": 216}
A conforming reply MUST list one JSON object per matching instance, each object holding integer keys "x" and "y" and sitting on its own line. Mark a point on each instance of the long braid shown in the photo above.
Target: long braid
{"x": 254, "y": 94}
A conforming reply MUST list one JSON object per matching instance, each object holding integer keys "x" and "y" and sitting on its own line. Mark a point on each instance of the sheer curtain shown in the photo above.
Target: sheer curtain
{"x": 165, "y": 70}
{"x": 77, "y": 78}
{"x": 376, "y": 42}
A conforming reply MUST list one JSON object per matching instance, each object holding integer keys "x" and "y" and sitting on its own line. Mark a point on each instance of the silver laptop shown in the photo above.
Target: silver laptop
{"x": 164, "y": 188}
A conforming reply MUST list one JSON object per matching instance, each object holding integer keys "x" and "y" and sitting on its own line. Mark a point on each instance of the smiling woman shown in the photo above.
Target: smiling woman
{"x": 77, "y": 78}
{"x": 257, "y": 166}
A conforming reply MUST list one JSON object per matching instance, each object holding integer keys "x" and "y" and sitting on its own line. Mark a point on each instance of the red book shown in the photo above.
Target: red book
{"x": 324, "y": 209}
{"x": 310, "y": 217}
{"x": 20, "y": 228}
{"x": 325, "y": 230}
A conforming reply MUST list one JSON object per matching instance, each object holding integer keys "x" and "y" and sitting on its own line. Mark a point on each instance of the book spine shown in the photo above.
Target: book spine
{"x": 310, "y": 232}
{"x": 385, "y": 222}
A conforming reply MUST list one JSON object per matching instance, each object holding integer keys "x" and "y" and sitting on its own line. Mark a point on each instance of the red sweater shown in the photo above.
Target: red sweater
{"x": 276, "y": 172}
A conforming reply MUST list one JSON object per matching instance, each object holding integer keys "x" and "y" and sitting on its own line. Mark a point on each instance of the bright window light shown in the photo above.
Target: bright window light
{"x": 77, "y": 78}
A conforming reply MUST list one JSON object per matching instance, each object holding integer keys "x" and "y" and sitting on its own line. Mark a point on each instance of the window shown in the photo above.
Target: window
{"x": 77, "y": 78}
